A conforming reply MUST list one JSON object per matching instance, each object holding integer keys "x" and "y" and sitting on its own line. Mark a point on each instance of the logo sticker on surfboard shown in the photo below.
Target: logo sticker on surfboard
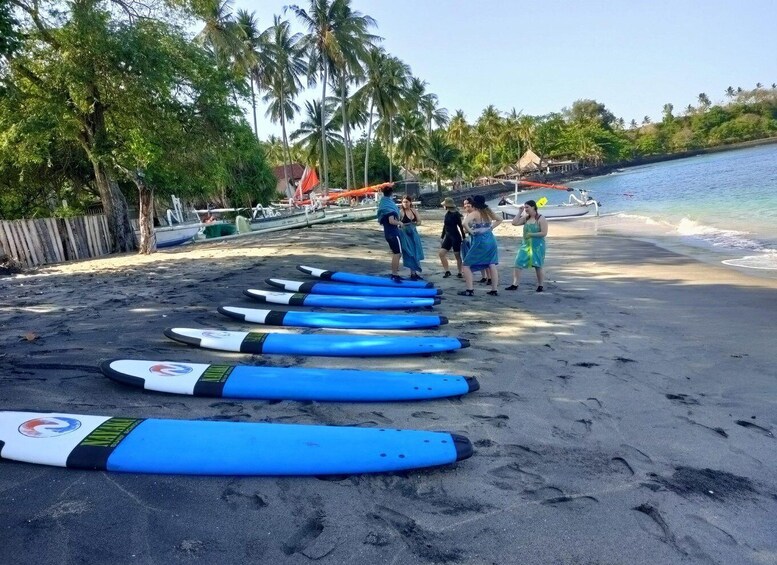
{"x": 215, "y": 334}
{"x": 49, "y": 426}
{"x": 169, "y": 369}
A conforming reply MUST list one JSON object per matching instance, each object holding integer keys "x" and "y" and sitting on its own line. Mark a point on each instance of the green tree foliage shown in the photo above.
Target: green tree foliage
{"x": 132, "y": 98}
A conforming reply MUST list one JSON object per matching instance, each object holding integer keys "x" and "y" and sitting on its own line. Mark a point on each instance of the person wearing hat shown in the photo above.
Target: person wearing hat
{"x": 452, "y": 236}
{"x": 483, "y": 253}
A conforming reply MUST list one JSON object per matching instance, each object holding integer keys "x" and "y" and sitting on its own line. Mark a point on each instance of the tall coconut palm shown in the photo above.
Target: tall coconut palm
{"x": 441, "y": 155}
{"x": 488, "y": 129}
{"x": 248, "y": 60}
{"x": 285, "y": 65}
{"x": 309, "y": 133}
{"x": 426, "y": 103}
{"x": 459, "y": 130}
{"x": 385, "y": 81}
{"x": 220, "y": 33}
{"x": 411, "y": 137}
{"x": 333, "y": 32}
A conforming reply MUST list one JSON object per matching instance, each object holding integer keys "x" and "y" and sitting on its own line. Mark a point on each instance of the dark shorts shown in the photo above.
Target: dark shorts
{"x": 394, "y": 245}
{"x": 449, "y": 243}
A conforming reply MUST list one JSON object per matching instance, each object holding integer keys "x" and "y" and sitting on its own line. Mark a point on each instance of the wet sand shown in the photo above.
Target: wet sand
{"x": 626, "y": 415}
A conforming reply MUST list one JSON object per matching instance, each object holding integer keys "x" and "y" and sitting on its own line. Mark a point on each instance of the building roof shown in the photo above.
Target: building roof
{"x": 295, "y": 172}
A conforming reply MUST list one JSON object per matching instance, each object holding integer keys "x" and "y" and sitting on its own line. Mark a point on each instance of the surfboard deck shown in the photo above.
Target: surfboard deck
{"x": 356, "y": 278}
{"x": 332, "y": 320}
{"x": 285, "y": 383}
{"x": 343, "y": 289}
{"x": 327, "y": 301}
{"x": 194, "y": 447}
{"x": 324, "y": 345}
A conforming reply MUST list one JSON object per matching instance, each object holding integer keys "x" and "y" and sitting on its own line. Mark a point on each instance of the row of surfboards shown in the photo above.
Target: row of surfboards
{"x": 232, "y": 448}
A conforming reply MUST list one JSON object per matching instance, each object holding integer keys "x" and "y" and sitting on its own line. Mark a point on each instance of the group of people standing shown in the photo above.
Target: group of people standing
{"x": 469, "y": 235}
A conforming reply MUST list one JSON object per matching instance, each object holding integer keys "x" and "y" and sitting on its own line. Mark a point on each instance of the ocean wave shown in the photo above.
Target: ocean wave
{"x": 767, "y": 261}
{"x": 718, "y": 237}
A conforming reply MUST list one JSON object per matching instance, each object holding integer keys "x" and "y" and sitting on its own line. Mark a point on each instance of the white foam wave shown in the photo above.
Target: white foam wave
{"x": 767, "y": 261}
{"x": 718, "y": 237}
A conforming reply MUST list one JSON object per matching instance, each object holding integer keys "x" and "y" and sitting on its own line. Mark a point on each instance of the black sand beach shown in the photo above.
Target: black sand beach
{"x": 627, "y": 415}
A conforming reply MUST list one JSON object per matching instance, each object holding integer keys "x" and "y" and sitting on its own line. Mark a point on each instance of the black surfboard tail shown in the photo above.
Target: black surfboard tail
{"x": 113, "y": 374}
{"x": 256, "y": 297}
{"x": 235, "y": 315}
{"x": 464, "y": 449}
{"x": 193, "y": 341}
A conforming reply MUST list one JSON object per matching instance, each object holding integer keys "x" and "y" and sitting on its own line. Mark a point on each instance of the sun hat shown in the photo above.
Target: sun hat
{"x": 449, "y": 203}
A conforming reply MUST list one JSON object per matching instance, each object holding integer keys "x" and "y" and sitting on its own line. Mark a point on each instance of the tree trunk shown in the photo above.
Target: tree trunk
{"x": 324, "y": 162}
{"x": 253, "y": 106}
{"x": 286, "y": 155}
{"x": 345, "y": 133}
{"x": 367, "y": 146}
{"x": 146, "y": 215}
{"x": 391, "y": 146}
{"x": 115, "y": 207}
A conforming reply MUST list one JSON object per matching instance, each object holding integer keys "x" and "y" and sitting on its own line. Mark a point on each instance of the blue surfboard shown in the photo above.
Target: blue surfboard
{"x": 193, "y": 447}
{"x": 355, "y": 278}
{"x": 333, "y": 320}
{"x": 345, "y": 345}
{"x": 285, "y": 383}
{"x": 329, "y": 301}
{"x": 350, "y": 289}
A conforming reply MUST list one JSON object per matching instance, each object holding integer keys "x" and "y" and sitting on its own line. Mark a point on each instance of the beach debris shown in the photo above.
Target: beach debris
{"x": 30, "y": 336}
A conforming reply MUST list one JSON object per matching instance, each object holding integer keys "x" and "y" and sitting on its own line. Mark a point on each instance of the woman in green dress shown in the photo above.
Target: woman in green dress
{"x": 532, "y": 250}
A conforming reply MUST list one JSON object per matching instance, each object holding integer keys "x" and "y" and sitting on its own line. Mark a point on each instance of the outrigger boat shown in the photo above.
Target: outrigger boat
{"x": 576, "y": 207}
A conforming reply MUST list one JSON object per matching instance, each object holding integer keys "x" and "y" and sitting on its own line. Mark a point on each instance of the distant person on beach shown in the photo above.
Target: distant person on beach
{"x": 532, "y": 250}
{"x": 412, "y": 248}
{"x": 388, "y": 217}
{"x": 452, "y": 236}
{"x": 483, "y": 253}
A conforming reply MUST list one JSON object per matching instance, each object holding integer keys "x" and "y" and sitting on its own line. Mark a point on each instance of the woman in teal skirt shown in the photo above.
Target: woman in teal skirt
{"x": 483, "y": 253}
{"x": 412, "y": 248}
{"x": 532, "y": 250}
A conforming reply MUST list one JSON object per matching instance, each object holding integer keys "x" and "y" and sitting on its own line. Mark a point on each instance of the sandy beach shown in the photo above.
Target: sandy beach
{"x": 626, "y": 415}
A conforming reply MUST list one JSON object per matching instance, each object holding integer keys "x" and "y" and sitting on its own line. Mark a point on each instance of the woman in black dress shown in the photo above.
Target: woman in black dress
{"x": 452, "y": 236}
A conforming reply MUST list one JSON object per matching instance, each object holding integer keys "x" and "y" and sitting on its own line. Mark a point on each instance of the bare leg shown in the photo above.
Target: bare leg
{"x": 516, "y": 276}
{"x": 467, "y": 277}
{"x": 458, "y": 260}
{"x": 493, "y": 272}
{"x": 395, "y": 264}
{"x": 540, "y": 276}
{"x": 444, "y": 258}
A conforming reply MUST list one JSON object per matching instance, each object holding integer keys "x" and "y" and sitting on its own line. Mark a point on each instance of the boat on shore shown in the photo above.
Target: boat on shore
{"x": 576, "y": 207}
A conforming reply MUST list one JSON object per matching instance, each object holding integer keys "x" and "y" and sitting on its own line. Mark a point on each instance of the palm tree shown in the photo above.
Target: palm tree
{"x": 633, "y": 124}
{"x": 248, "y": 61}
{"x": 219, "y": 34}
{"x": 411, "y": 137}
{"x": 334, "y": 32}
{"x": 285, "y": 64}
{"x": 459, "y": 130}
{"x": 386, "y": 79}
{"x": 309, "y": 133}
{"x": 488, "y": 129}
{"x": 668, "y": 109}
{"x": 440, "y": 155}
{"x": 730, "y": 92}
{"x": 704, "y": 101}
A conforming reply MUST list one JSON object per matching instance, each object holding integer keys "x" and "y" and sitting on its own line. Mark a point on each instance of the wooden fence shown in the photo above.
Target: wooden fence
{"x": 54, "y": 240}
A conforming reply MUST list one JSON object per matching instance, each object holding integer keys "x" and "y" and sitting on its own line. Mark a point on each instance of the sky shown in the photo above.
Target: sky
{"x": 538, "y": 57}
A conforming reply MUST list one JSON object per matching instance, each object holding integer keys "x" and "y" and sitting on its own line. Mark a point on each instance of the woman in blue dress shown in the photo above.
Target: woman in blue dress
{"x": 483, "y": 253}
{"x": 412, "y": 248}
{"x": 532, "y": 250}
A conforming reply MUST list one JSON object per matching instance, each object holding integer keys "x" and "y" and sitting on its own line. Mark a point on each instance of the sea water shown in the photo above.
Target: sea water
{"x": 721, "y": 206}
